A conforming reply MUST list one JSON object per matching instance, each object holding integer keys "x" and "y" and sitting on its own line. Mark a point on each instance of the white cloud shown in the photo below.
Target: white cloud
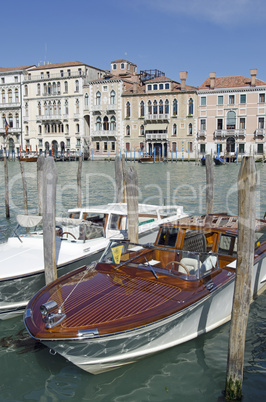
{"x": 220, "y": 12}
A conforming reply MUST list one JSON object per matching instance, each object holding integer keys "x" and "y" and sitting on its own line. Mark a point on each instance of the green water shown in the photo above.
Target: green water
{"x": 193, "y": 371}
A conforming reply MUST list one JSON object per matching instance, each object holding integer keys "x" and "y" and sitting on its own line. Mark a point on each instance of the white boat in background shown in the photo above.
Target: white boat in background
{"x": 80, "y": 239}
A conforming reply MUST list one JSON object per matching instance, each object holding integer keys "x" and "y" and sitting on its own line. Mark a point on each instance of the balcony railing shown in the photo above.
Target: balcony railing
{"x": 157, "y": 136}
{"x": 44, "y": 77}
{"x": 103, "y": 133}
{"x": 230, "y": 133}
{"x": 201, "y": 134}
{"x": 10, "y": 105}
{"x": 260, "y": 132}
{"x": 52, "y": 117}
{"x": 157, "y": 116}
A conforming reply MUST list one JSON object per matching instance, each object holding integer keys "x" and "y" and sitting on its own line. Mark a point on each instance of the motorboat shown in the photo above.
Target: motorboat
{"x": 149, "y": 159}
{"x": 28, "y": 158}
{"x": 81, "y": 237}
{"x": 142, "y": 299}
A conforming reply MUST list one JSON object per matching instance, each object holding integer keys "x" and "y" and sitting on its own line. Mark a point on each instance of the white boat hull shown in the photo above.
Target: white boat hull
{"x": 103, "y": 353}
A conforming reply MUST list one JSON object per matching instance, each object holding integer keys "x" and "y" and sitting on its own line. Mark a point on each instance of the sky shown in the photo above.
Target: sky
{"x": 197, "y": 36}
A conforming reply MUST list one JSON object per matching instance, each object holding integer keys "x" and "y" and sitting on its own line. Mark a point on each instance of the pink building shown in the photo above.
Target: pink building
{"x": 231, "y": 115}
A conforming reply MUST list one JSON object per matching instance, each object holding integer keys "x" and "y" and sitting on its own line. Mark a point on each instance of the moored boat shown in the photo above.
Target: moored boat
{"x": 141, "y": 299}
{"x": 28, "y": 158}
{"x": 80, "y": 239}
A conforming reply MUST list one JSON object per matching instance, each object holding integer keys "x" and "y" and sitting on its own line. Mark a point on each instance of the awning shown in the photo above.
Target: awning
{"x": 156, "y": 127}
{"x": 29, "y": 220}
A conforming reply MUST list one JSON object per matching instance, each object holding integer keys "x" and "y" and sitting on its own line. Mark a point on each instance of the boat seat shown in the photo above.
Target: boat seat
{"x": 191, "y": 264}
{"x": 195, "y": 242}
{"x": 208, "y": 264}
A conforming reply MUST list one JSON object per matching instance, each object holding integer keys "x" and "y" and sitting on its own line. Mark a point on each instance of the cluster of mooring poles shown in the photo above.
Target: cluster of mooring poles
{"x": 127, "y": 191}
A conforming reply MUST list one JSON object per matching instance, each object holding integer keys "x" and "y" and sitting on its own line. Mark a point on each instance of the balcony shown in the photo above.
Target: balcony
{"x": 49, "y": 118}
{"x": 157, "y": 117}
{"x": 157, "y": 136}
{"x": 11, "y": 130}
{"x": 201, "y": 135}
{"x": 103, "y": 134}
{"x": 230, "y": 133}
{"x": 10, "y": 105}
{"x": 259, "y": 133}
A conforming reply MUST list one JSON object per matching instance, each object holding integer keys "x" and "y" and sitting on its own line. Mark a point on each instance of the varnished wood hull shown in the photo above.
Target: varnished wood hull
{"x": 112, "y": 351}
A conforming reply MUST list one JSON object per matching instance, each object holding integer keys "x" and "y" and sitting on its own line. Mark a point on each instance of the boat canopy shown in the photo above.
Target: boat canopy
{"x": 29, "y": 221}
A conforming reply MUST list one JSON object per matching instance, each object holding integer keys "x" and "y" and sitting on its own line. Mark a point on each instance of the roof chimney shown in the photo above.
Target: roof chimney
{"x": 183, "y": 77}
{"x": 253, "y": 73}
{"x": 212, "y": 80}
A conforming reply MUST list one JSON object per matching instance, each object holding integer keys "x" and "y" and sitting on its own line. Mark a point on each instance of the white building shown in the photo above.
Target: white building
{"x": 11, "y": 101}
{"x": 53, "y": 118}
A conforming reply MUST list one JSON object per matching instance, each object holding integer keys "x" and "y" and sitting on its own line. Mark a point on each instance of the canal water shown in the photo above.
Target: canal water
{"x": 193, "y": 371}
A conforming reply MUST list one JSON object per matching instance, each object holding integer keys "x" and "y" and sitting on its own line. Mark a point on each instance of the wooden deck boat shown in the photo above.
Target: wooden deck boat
{"x": 80, "y": 239}
{"x": 28, "y": 158}
{"x": 141, "y": 299}
{"x": 149, "y": 159}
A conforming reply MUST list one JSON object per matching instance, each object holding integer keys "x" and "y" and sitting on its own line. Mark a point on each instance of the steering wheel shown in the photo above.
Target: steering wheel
{"x": 178, "y": 263}
{"x": 68, "y": 233}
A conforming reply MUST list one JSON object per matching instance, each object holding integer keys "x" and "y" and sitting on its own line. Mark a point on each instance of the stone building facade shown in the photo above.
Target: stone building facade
{"x": 231, "y": 115}
{"x": 54, "y": 104}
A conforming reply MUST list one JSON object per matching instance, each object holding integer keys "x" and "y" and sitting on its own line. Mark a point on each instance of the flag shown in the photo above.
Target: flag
{"x": 6, "y": 127}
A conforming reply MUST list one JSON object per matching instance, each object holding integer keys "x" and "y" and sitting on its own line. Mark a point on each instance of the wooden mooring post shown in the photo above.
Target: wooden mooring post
{"x": 132, "y": 204}
{"x": 40, "y": 163}
{"x": 49, "y": 199}
{"x": 6, "y": 188}
{"x": 124, "y": 194}
{"x": 247, "y": 181}
{"x": 209, "y": 184}
{"x": 119, "y": 182}
{"x": 79, "y": 182}
{"x": 24, "y": 184}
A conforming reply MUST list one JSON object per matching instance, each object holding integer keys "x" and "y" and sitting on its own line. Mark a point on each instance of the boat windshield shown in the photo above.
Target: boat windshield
{"x": 187, "y": 265}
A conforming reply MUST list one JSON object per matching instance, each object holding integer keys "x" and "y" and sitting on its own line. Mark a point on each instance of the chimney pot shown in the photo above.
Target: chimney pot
{"x": 183, "y": 78}
{"x": 253, "y": 73}
{"x": 212, "y": 79}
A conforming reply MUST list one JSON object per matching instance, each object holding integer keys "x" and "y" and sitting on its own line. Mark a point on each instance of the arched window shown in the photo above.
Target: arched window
{"x": 26, "y": 110}
{"x": 10, "y": 96}
{"x": 77, "y": 128}
{"x": 142, "y": 109}
{"x": 142, "y": 131}
{"x": 155, "y": 107}
{"x": 50, "y": 108}
{"x": 3, "y": 96}
{"x": 54, "y": 88}
{"x": 190, "y": 128}
{"x": 49, "y": 88}
{"x": 190, "y": 106}
{"x": 231, "y": 120}
{"x": 149, "y": 107}
{"x": 26, "y": 90}
{"x": 98, "y": 98}
{"x": 166, "y": 110}
{"x": 128, "y": 109}
{"x": 38, "y": 89}
{"x": 86, "y": 100}
{"x": 58, "y": 88}
{"x": 77, "y": 85}
{"x": 77, "y": 106}
{"x": 45, "y": 89}
{"x": 174, "y": 129}
{"x": 113, "y": 123}
{"x": 16, "y": 95}
{"x": 39, "y": 109}
{"x": 112, "y": 98}
{"x": 175, "y": 107}
{"x": 54, "y": 108}
{"x": 161, "y": 107}
{"x": 47, "y": 146}
{"x": 66, "y": 87}
{"x": 10, "y": 119}
{"x": 106, "y": 123}
{"x": 127, "y": 130}
{"x": 59, "y": 108}
{"x": 66, "y": 107}
{"x": 17, "y": 120}
{"x": 98, "y": 124}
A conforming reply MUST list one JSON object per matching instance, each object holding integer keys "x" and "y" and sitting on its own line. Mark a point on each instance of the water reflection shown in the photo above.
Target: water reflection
{"x": 192, "y": 371}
